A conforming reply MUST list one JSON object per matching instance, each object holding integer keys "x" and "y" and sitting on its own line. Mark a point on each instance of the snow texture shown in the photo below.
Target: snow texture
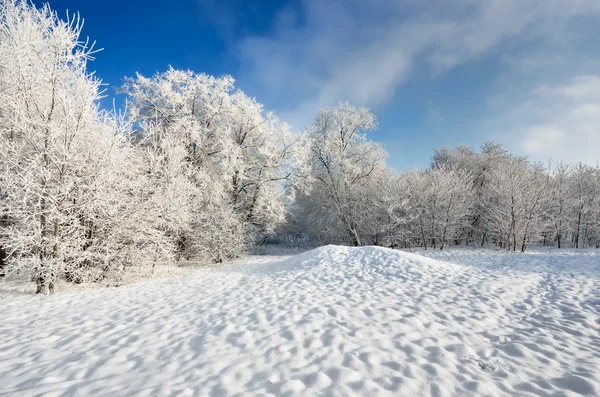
{"x": 334, "y": 321}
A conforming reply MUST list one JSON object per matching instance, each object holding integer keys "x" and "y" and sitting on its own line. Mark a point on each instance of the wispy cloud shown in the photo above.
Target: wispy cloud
{"x": 328, "y": 51}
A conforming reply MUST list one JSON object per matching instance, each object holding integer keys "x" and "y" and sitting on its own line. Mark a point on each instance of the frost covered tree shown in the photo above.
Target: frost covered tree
{"x": 226, "y": 156}
{"x": 401, "y": 199}
{"x": 466, "y": 196}
{"x": 47, "y": 110}
{"x": 339, "y": 166}
{"x": 62, "y": 162}
{"x": 516, "y": 202}
{"x": 480, "y": 165}
{"x": 450, "y": 199}
{"x": 594, "y": 222}
{"x": 560, "y": 201}
{"x": 262, "y": 150}
{"x": 180, "y": 123}
{"x": 566, "y": 209}
{"x": 392, "y": 208}
{"x": 118, "y": 213}
{"x": 585, "y": 191}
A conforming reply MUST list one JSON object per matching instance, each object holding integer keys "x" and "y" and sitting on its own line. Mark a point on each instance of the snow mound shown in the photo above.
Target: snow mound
{"x": 354, "y": 260}
{"x": 334, "y": 321}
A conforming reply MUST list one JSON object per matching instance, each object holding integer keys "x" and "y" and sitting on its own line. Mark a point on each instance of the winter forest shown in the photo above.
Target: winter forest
{"x": 194, "y": 168}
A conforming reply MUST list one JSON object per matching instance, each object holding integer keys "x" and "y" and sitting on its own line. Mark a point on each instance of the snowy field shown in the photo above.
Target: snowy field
{"x": 334, "y": 321}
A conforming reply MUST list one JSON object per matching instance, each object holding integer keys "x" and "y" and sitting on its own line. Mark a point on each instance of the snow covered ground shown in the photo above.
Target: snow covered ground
{"x": 334, "y": 321}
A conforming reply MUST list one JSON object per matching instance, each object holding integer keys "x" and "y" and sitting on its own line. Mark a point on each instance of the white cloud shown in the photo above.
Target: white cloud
{"x": 363, "y": 51}
{"x": 586, "y": 88}
{"x": 561, "y": 122}
{"x": 543, "y": 139}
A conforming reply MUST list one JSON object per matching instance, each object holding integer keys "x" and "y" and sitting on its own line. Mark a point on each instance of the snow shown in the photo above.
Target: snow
{"x": 334, "y": 321}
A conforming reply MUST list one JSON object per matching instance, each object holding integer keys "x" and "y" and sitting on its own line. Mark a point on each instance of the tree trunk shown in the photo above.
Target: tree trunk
{"x": 544, "y": 236}
{"x": 181, "y": 245}
{"x": 524, "y": 243}
{"x": 44, "y": 280}
{"x": 355, "y": 238}
{"x": 44, "y": 285}
{"x": 444, "y": 235}
{"x": 2, "y": 261}
{"x": 578, "y": 228}
{"x": 423, "y": 233}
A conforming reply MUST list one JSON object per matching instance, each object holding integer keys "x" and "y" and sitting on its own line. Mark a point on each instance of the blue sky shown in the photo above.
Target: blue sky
{"x": 437, "y": 72}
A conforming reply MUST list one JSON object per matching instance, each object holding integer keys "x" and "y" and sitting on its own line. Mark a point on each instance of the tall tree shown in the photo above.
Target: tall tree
{"x": 227, "y": 156}
{"x": 63, "y": 163}
{"x": 341, "y": 164}
{"x": 516, "y": 196}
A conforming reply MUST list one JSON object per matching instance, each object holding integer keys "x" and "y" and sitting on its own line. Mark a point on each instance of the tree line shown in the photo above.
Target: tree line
{"x": 484, "y": 197}
{"x": 196, "y": 168}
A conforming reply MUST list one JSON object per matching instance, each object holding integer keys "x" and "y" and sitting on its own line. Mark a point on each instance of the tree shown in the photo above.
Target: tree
{"x": 48, "y": 114}
{"x": 67, "y": 209}
{"x": 339, "y": 165}
{"x": 391, "y": 209}
{"x": 560, "y": 200}
{"x": 585, "y": 191}
{"x": 480, "y": 166}
{"x": 224, "y": 151}
{"x": 449, "y": 203}
{"x": 516, "y": 194}
{"x": 262, "y": 149}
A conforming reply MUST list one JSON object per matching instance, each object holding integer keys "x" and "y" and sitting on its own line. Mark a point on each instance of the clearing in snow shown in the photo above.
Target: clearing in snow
{"x": 334, "y": 321}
